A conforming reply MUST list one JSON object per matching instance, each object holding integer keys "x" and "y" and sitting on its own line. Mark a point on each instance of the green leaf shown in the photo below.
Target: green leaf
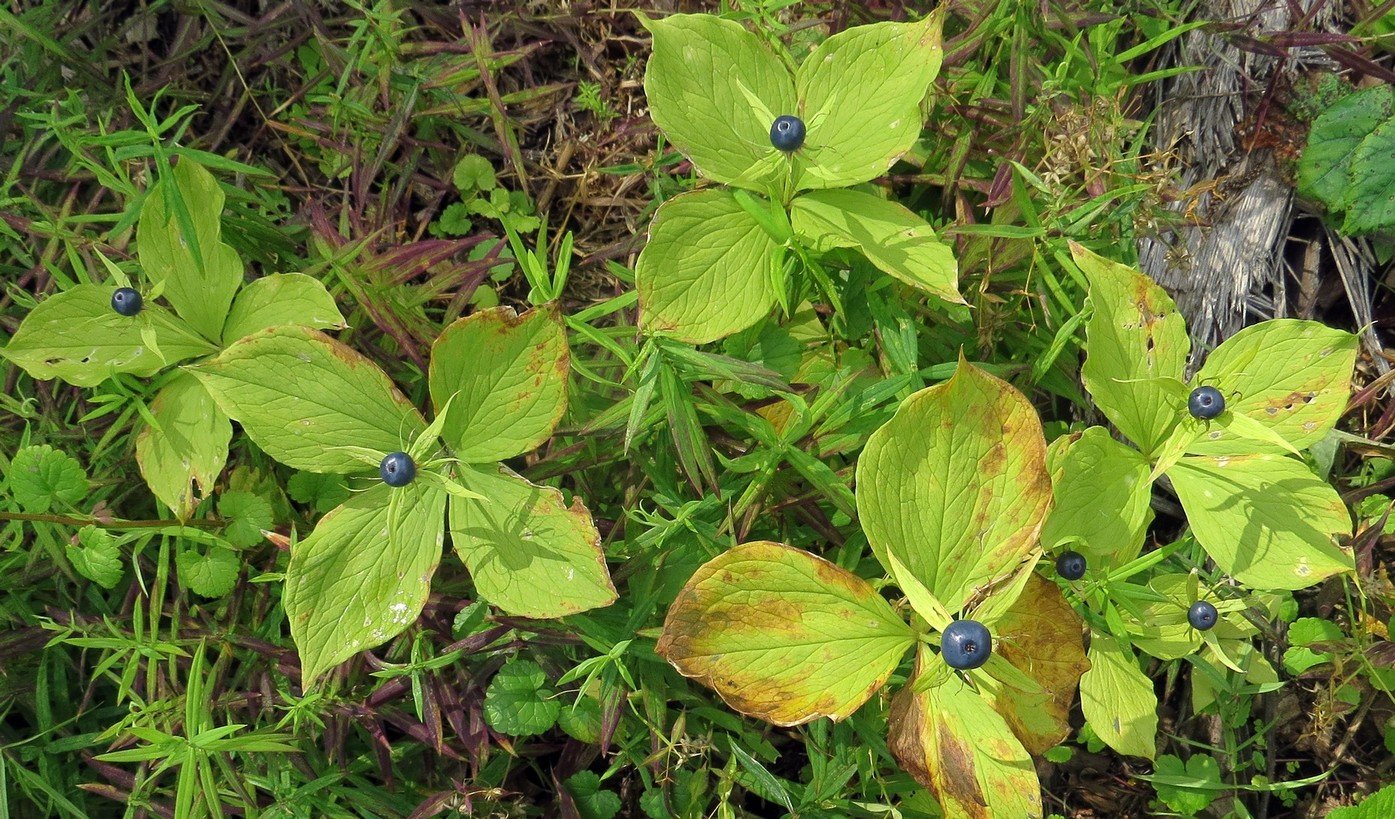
{"x": 1304, "y": 632}
{"x": 955, "y": 485}
{"x": 473, "y": 173}
{"x": 304, "y": 397}
{"x": 76, "y": 336}
{"x": 1376, "y": 806}
{"x": 320, "y": 492}
{"x": 528, "y": 552}
{"x": 1325, "y": 169}
{"x": 706, "y": 271}
{"x": 952, "y": 741}
{"x": 211, "y": 573}
{"x": 41, "y": 477}
{"x": 516, "y": 703}
{"x": 1102, "y": 497}
{"x": 784, "y": 635}
{"x": 1266, "y": 520}
{"x": 860, "y": 94}
{"x": 280, "y": 299}
{"x": 1042, "y": 636}
{"x": 1368, "y": 202}
{"x": 96, "y": 556}
{"x": 1291, "y": 376}
{"x": 892, "y": 237}
{"x": 592, "y": 801}
{"x": 1118, "y": 698}
{"x": 182, "y": 458}
{"x": 581, "y": 720}
{"x": 247, "y": 516}
{"x": 694, "y": 84}
{"x": 508, "y": 374}
{"x": 363, "y": 575}
{"x": 1134, "y": 337}
{"x": 1170, "y": 774}
{"x": 200, "y": 285}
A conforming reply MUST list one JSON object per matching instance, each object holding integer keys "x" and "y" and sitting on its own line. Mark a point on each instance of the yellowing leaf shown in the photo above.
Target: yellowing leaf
{"x": 1292, "y": 376}
{"x": 891, "y": 236}
{"x": 955, "y": 485}
{"x": 76, "y": 336}
{"x": 1042, "y": 636}
{"x": 280, "y": 299}
{"x": 784, "y": 635}
{"x": 1266, "y": 520}
{"x": 700, "y": 82}
{"x": 860, "y": 92}
{"x": 508, "y": 376}
{"x": 363, "y": 575}
{"x": 1134, "y": 338}
{"x": 953, "y": 742}
{"x": 705, "y": 272}
{"x": 528, "y": 552}
{"x": 182, "y": 458}
{"x": 303, "y": 397}
{"x": 1118, "y": 698}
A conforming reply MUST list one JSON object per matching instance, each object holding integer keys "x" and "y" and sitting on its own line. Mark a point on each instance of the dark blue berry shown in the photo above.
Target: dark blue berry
{"x": 966, "y": 644}
{"x": 1071, "y": 565}
{"x": 126, "y": 301}
{"x": 787, "y": 133}
{"x": 1202, "y": 615}
{"x": 397, "y": 469}
{"x": 1205, "y": 403}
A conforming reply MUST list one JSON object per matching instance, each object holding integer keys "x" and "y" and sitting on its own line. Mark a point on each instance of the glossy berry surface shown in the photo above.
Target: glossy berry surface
{"x": 966, "y": 644}
{"x": 787, "y": 133}
{"x": 126, "y": 301}
{"x": 1071, "y": 565}
{"x": 397, "y": 469}
{"x": 1202, "y": 615}
{"x": 1205, "y": 403}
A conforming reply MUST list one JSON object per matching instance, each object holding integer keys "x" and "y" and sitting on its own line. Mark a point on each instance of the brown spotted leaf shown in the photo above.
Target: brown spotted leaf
{"x": 1292, "y": 376}
{"x": 508, "y": 376}
{"x": 1134, "y": 337}
{"x": 955, "y": 485}
{"x": 784, "y": 635}
{"x": 952, "y": 741}
{"x": 1041, "y": 635}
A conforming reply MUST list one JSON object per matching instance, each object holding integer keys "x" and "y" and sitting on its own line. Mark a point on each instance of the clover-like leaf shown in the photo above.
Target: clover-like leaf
{"x": 952, "y": 741}
{"x": 280, "y": 299}
{"x": 305, "y": 398}
{"x": 1324, "y": 171}
{"x": 76, "y": 336}
{"x": 706, "y": 271}
{"x": 860, "y": 93}
{"x": 41, "y": 477}
{"x": 362, "y": 577}
{"x": 210, "y": 572}
{"x": 527, "y": 551}
{"x": 891, "y": 236}
{"x": 179, "y": 243}
{"x": 1118, "y": 698}
{"x": 1265, "y": 519}
{"x": 96, "y": 556}
{"x": 955, "y": 485}
{"x": 784, "y": 635}
{"x": 1042, "y": 636}
{"x": 1101, "y": 498}
{"x": 318, "y": 491}
{"x": 701, "y": 81}
{"x": 592, "y": 801}
{"x": 1135, "y": 337}
{"x": 1291, "y": 376}
{"x": 517, "y": 703}
{"x": 182, "y": 458}
{"x": 247, "y": 516}
{"x": 508, "y": 376}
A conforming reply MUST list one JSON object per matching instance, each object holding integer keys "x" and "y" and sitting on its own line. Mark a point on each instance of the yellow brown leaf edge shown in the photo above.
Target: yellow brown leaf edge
{"x": 786, "y": 636}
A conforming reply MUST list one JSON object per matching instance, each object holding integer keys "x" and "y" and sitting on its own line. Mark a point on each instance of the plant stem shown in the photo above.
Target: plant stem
{"x": 67, "y": 520}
